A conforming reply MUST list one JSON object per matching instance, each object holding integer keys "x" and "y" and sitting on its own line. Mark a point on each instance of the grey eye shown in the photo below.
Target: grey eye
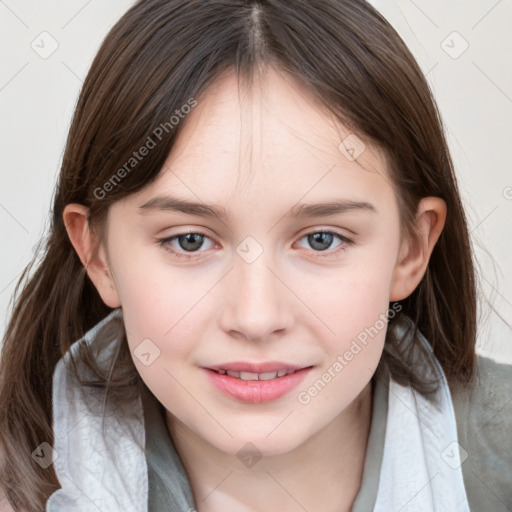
{"x": 190, "y": 241}
{"x": 320, "y": 241}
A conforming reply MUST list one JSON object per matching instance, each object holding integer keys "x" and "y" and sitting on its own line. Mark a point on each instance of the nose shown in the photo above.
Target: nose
{"x": 258, "y": 304}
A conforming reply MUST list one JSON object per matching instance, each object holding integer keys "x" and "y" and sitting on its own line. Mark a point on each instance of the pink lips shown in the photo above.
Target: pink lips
{"x": 256, "y": 391}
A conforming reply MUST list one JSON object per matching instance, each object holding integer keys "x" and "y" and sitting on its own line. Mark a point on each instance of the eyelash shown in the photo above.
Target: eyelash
{"x": 165, "y": 243}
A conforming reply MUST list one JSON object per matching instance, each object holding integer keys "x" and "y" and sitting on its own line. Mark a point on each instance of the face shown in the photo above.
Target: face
{"x": 268, "y": 283}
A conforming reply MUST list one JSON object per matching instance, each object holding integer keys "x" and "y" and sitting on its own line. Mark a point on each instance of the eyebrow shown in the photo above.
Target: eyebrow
{"x": 299, "y": 210}
{"x": 329, "y": 208}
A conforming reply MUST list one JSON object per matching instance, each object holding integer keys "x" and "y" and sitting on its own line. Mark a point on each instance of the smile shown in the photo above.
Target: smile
{"x": 255, "y": 387}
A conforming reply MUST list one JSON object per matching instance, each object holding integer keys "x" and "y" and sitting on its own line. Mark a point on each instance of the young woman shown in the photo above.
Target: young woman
{"x": 258, "y": 292}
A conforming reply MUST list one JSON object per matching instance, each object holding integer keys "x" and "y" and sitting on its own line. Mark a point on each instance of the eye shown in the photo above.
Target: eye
{"x": 188, "y": 242}
{"x": 321, "y": 240}
{"x": 192, "y": 241}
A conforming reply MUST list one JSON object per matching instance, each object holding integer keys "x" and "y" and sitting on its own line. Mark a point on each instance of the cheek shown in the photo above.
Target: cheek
{"x": 352, "y": 304}
{"x": 359, "y": 321}
{"x": 357, "y": 314}
{"x": 160, "y": 311}
{"x": 351, "y": 298}
{"x": 153, "y": 294}
{"x": 360, "y": 305}
{"x": 160, "y": 316}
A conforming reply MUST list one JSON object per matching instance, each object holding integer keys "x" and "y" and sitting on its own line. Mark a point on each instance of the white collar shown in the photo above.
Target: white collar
{"x": 421, "y": 468}
{"x": 103, "y": 468}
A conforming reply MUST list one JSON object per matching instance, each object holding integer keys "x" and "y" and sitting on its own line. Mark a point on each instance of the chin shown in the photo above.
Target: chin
{"x": 258, "y": 443}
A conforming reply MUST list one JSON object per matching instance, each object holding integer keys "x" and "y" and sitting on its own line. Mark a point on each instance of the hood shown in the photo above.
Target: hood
{"x": 99, "y": 456}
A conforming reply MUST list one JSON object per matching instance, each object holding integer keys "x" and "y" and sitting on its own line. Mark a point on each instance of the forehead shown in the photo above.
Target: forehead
{"x": 271, "y": 140}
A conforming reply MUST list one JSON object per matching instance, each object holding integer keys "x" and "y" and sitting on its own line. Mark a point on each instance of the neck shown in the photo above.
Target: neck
{"x": 325, "y": 469}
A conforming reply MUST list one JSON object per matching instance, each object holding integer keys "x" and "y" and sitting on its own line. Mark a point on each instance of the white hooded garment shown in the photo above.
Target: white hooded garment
{"x": 99, "y": 455}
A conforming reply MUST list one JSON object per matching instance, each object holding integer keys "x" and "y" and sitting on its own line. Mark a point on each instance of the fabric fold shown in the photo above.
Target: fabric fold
{"x": 421, "y": 467}
{"x": 99, "y": 454}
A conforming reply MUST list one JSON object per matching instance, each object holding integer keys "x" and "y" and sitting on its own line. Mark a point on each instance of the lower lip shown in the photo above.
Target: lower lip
{"x": 256, "y": 391}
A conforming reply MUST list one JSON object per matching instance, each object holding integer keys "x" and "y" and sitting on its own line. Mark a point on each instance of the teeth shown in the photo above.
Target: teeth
{"x": 255, "y": 376}
{"x": 267, "y": 376}
{"x": 248, "y": 376}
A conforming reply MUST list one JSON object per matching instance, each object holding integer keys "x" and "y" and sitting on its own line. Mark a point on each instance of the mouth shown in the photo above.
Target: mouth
{"x": 252, "y": 383}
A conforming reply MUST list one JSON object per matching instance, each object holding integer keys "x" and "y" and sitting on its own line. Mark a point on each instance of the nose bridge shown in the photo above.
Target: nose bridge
{"x": 256, "y": 305}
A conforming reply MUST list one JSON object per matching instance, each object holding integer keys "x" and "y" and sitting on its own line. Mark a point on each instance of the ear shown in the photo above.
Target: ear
{"x": 414, "y": 254}
{"x": 92, "y": 253}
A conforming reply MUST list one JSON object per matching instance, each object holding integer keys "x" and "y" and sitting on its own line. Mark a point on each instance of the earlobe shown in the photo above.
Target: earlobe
{"x": 91, "y": 252}
{"x": 414, "y": 254}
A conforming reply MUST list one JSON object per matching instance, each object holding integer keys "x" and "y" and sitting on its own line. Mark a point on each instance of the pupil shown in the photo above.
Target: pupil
{"x": 192, "y": 242}
{"x": 317, "y": 239}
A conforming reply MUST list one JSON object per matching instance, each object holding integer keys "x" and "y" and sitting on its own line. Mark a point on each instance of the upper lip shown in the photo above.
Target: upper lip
{"x": 267, "y": 367}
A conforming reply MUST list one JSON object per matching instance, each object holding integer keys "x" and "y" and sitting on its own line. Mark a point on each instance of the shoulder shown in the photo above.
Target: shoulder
{"x": 483, "y": 412}
{"x": 487, "y": 400}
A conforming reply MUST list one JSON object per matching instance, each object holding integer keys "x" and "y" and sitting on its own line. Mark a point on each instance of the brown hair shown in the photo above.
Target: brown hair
{"x": 160, "y": 54}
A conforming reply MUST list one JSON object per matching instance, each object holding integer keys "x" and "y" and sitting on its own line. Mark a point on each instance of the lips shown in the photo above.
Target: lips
{"x": 256, "y": 382}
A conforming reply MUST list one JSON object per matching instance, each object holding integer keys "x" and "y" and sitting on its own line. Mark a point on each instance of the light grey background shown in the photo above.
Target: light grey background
{"x": 463, "y": 47}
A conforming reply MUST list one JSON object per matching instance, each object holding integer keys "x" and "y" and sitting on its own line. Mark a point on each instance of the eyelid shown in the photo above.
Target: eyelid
{"x": 165, "y": 243}
{"x": 329, "y": 253}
